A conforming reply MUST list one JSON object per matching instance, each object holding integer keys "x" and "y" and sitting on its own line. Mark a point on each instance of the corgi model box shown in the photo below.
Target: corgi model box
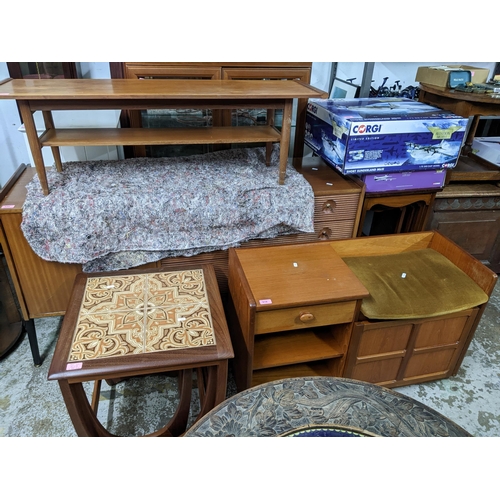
{"x": 372, "y": 135}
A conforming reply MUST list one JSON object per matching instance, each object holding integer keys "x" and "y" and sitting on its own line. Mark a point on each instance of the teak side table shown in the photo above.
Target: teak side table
{"x": 126, "y": 323}
{"x": 291, "y": 312}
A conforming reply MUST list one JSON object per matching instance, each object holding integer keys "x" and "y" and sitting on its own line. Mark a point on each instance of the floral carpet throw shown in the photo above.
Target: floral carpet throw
{"x": 111, "y": 215}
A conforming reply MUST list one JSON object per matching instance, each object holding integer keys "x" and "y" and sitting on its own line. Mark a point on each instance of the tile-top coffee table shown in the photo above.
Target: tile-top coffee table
{"x": 128, "y": 323}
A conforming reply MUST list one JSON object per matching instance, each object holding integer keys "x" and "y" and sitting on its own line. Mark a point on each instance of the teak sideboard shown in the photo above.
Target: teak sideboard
{"x": 43, "y": 288}
{"x": 52, "y": 95}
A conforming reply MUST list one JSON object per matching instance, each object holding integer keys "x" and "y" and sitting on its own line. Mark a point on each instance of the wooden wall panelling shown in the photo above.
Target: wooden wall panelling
{"x": 217, "y": 70}
{"x": 154, "y": 70}
{"x": 301, "y": 73}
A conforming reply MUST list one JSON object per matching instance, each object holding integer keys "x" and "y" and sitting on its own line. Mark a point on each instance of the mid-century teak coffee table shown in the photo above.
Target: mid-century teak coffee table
{"x": 129, "y": 323}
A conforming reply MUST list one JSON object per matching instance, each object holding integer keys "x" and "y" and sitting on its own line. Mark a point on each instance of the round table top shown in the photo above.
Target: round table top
{"x": 461, "y": 96}
{"x": 322, "y": 406}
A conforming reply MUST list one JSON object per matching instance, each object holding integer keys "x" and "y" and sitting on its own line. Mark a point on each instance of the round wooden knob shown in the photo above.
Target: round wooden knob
{"x": 329, "y": 207}
{"x": 306, "y": 317}
{"x": 325, "y": 234}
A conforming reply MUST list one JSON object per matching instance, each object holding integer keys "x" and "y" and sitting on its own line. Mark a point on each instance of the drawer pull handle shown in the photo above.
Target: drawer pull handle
{"x": 325, "y": 234}
{"x": 329, "y": 207}
{"x": 306, "y": 317}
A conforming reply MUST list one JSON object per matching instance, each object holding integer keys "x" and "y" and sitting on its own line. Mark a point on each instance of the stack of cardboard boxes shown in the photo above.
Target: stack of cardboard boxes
{"x": 393, "y": 144}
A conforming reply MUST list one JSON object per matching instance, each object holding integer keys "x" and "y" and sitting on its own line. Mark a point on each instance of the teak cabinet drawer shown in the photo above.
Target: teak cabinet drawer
{"x": 336, "y": 207}
{"x": 304, "y": 317}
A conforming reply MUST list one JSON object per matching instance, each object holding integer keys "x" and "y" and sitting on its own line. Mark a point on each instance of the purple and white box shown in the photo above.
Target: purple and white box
{"x": 372, "y": 135}
{"x": 404, "y": 181}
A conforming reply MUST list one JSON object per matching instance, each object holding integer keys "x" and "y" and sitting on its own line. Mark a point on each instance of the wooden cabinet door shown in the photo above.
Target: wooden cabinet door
{"x": 477, "y": 232}
{"x": 260, "y": 73}
{"x": 397, "y": 353}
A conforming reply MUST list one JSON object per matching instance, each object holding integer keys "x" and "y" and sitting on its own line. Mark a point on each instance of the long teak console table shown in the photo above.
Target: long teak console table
{"x": 53, "y": 95}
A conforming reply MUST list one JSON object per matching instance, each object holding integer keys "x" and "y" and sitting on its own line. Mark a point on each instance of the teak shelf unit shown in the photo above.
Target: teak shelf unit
{"x": 54, "y": 95}
{"x": 291, "y": 311}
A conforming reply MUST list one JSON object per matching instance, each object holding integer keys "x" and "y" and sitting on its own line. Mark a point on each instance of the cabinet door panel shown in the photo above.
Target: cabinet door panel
{"x": 441, "y": 332}
{"x": 384, "y": 340}
{"x": 427, "y": 363}
{"x": 477, "y": 232}
{"x": 425, "y": 349}
{"x": 381, "y": 372}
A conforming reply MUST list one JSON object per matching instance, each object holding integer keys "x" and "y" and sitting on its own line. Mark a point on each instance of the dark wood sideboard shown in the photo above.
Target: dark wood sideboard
{"x": 467, "y": 210}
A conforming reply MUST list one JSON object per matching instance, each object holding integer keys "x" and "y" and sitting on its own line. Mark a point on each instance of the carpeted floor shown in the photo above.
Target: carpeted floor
{"x": 32, "y": 406}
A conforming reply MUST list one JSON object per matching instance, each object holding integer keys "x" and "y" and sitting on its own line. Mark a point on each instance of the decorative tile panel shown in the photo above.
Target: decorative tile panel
{"x": 142, "y": 313}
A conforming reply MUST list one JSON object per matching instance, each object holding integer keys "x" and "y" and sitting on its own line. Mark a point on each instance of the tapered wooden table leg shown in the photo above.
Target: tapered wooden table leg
{"x": 285, "y": 139}
{"x": 36, "y": 151}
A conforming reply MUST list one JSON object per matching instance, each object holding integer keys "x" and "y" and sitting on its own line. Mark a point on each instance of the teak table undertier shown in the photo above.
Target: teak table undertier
{"x": 129, "y": 323}
{"x": 88, "y": 94}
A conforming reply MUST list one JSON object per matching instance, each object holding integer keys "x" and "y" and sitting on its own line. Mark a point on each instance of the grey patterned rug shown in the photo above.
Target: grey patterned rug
{"x": 111, "y": 215}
